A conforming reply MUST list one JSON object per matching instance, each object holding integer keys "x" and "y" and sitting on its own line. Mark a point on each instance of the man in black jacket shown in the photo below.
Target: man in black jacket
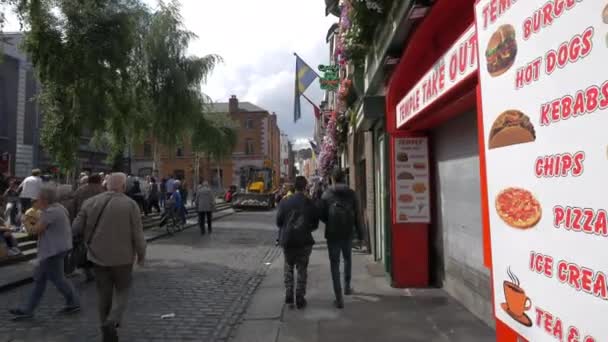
{"x": 297, "y": 218}
{"x": 340, "y": 211}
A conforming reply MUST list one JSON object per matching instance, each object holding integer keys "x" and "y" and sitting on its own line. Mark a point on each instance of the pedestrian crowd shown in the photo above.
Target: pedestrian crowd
{"x": 97, "y": 227}
{"x": 301, "y": 209}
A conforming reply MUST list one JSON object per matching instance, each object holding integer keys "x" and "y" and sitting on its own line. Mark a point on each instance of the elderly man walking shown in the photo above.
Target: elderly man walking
{"x": 112, "y": 228}
{"x": 205, "y": 205}
{"x": 54, "y": 241}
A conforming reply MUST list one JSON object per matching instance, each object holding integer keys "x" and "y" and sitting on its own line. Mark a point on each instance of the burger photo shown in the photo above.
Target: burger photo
{"x": 501, "y": 51}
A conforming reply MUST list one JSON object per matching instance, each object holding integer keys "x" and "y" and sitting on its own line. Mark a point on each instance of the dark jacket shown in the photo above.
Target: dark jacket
{"x": 82, "y": 194}
{"x": 341, "y": 192}
{"x": 298, "y": 201}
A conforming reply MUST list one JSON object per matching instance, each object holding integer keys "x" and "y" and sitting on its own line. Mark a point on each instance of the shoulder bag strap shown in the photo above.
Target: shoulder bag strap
{"x": 97, "y": 220}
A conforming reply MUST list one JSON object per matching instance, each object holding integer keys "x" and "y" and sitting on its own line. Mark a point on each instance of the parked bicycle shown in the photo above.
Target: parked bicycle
{"x": 172, "y": 221}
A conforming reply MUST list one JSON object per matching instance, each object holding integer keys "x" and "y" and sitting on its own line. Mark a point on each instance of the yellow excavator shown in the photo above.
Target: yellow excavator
{"x": 259, "y": 189}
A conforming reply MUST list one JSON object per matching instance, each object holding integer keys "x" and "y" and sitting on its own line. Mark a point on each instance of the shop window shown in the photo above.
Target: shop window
{"x": 249, "y": 147}
{"x": 179, "y": 152}
{"x": 147, "y": 150}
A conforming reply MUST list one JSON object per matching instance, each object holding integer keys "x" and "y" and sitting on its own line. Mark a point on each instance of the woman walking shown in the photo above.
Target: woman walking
{"x": 54, "y": 241}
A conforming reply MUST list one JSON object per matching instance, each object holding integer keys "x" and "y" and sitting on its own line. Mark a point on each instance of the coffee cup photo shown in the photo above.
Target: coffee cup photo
{"x": 517, "y": 301}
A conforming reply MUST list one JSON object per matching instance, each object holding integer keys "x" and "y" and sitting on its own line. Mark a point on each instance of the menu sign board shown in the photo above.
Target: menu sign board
{"x": 412, "y": 180}
{"x": 544, "y": 81}
{"x": 455, "y": 66}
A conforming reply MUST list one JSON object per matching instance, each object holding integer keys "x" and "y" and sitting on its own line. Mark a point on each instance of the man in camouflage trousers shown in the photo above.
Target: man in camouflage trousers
{"x": 297, "y": 218}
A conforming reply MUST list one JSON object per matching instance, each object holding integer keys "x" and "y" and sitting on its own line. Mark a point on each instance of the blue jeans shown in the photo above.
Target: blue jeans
{"x": 335, "y": 248}
{"x": 51, "y": 269}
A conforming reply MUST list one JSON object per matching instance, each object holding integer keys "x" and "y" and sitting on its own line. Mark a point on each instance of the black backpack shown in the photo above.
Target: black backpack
{"x": 296, "y": 231}
{"x": 341, "y": 219}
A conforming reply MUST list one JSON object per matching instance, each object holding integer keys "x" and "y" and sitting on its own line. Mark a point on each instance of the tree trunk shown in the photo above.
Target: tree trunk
{"x": 197, "y": 165}
{"x": 209, "y": 169}
{"x": 219, "y": 175}
{"x": 156, "y": 159}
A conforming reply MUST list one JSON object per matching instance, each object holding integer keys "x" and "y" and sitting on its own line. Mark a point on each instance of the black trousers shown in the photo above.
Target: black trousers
{"x": 202, "y": 215}
{"x": 152, "y": 204}
{"x": 26, "y": 203}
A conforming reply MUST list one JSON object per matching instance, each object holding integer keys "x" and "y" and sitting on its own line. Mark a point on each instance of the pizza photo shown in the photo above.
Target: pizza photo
{"x": 518, "y": 208}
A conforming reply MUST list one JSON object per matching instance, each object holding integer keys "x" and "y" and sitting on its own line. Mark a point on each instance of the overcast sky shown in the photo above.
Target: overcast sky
{"x": 257, "y": 40}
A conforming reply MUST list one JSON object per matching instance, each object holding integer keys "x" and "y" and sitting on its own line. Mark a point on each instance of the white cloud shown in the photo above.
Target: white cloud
{"x": 257, "y": 40}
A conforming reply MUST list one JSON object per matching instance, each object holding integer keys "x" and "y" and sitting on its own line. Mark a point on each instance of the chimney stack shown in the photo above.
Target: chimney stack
{"x": 233, "y": 104}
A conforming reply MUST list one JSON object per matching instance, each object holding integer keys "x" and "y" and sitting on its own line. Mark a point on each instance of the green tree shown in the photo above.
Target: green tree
{"x": 215, "y": 137}
{"x": 83, "y": 52}
{"x": 173, "y": 78}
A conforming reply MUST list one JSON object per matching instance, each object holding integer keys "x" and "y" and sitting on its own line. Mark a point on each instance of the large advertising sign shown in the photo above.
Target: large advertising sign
{"x": 455, "y": 66}
{"x": 544, "y": 85}
{"x": 412, "y": 180}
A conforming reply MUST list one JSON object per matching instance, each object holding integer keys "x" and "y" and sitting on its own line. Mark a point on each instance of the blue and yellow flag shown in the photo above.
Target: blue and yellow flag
{"x": 305, "y": 75}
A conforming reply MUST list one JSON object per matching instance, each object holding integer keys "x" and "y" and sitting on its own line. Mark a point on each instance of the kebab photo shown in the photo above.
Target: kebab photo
{"x": 510, "y": 128}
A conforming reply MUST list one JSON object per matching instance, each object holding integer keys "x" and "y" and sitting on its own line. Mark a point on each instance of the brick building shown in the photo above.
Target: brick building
{"x": 258, "y": 146}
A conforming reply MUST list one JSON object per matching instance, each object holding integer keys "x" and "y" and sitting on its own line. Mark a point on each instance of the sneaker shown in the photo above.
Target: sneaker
{"x": 348, "y": 290}
{"x": 109, "y": 333}
{"x": 69, "y": 310}
{"x": 339, "y": 303}
{"x": 301, "y": 302}
{"x": 20, "y": 314}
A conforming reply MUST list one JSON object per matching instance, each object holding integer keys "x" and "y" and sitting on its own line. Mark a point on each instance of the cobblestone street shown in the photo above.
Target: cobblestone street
{"x": 206, "y": 281}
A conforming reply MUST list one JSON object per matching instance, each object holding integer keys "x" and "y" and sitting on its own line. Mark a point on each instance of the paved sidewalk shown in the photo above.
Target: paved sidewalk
{"x": 376, "y": 312}
{"x": 13, "y": 276}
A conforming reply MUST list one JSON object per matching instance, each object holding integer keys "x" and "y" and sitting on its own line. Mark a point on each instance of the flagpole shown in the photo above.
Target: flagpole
{"x": 313, "y": 70}
{"x": 309, "y": 100}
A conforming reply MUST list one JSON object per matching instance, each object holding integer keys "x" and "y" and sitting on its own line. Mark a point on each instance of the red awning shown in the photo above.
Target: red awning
{"x": 446, "y": 21}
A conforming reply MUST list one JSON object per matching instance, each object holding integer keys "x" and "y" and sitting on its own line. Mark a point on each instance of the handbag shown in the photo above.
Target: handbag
{"x": 78, "y": 255}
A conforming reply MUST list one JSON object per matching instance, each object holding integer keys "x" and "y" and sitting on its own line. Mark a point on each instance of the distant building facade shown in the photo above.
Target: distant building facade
{"x": 285, "y": 160}
{"x": 18, "y": 116}
{"x": 259, "y": 145}
{"x": 21, "y": 118}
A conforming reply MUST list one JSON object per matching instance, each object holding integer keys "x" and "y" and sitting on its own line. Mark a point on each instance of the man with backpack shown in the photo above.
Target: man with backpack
{"x": 340, "y": 212}
{"x": 297, "y": 218}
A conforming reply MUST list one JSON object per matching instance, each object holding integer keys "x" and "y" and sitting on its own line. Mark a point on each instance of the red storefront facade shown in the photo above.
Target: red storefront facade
{"x": 433, "y": 94}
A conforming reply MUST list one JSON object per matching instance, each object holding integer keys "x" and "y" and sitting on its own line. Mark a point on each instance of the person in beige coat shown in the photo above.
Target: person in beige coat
{"x": 112, "y": 229}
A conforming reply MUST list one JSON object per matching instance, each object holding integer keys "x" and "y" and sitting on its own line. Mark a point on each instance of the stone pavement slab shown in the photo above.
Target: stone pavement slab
{"x": 376, "y": 312}
{"x": 19, "y": 274}
{"x": 206, "y": 281}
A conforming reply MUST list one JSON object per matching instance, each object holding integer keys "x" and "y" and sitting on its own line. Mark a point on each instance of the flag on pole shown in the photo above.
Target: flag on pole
{"x": 314, "y": 107}
{"x": 314, "y": 147}
{"x": 305, "y": 75}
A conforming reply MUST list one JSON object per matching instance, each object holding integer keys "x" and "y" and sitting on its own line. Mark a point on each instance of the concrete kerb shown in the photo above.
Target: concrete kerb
{"x": 27, "y": 280}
